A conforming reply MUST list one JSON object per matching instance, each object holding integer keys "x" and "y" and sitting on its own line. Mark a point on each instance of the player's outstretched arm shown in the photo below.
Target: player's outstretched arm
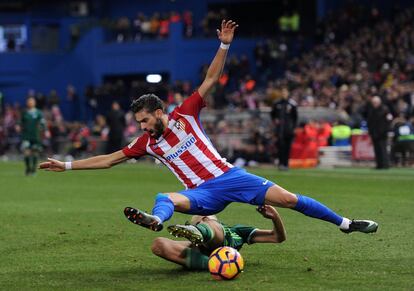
{"x": 277, "y": 234}
{"x": 97, "y": 162}
{"x": 225, "y": 35}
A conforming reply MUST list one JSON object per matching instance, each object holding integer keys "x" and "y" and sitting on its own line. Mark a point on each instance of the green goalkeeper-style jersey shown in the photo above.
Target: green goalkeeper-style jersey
{"x": 237, "y": 235}
{"x": 32, "y": 123}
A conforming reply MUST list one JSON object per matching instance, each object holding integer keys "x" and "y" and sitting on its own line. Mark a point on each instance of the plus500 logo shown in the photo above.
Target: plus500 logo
{"x": 184, "y": 146}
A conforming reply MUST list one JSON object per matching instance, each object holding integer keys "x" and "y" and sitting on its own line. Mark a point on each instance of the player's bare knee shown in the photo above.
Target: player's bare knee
{"x": 181, "y": 202}
{"x": 279, "y": 240}
{"x": 289, "y": 200}
{"x": 277, "y": 196}
{"x": 158, "y": 246}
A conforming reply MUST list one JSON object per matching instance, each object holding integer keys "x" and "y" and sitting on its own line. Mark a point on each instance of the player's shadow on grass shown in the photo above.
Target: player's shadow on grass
{"x": 176, "y": 271}
{"x": 104, "y": 278}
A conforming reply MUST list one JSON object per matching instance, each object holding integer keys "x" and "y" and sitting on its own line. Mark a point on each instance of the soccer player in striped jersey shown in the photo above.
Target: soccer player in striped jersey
{"x": 179, "y": 142}
{"x": 206, "y": 233}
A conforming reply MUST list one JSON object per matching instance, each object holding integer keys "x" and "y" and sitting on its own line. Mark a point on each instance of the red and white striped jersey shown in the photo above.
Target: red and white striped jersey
{"x": 184, "y": 147}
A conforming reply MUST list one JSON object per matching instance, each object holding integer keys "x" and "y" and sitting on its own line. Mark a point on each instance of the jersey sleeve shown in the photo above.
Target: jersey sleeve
{"x": 192, "y": 105}
{"x": 245, "y": 232}
{"x": 137, "y": 148}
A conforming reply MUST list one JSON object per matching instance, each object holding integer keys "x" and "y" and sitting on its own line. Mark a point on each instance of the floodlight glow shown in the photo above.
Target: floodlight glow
{"x": 153, "y": 78}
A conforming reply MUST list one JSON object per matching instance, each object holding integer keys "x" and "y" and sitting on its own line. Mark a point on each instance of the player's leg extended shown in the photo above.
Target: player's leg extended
{"x": 280, "y": 197}
{"x": 25, "y": 148}
{"x": 213, "y": 232}
{"x": 27, "y": 161}
{"x": 34, "y": 160}
{"x": 205, "y": 230}
{"x": 173, "y": 251}
{"x": 165, "y": 205}
{"x": 180, "y": 252}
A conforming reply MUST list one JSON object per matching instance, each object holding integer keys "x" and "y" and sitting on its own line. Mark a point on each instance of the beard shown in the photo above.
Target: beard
{"x": 158, "y": 128}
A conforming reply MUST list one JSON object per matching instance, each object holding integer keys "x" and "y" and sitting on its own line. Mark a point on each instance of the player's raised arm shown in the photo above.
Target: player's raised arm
{"x": 225, "y": 35}
{"x": 277, "y": 234}
{"x": 97, "y": 162}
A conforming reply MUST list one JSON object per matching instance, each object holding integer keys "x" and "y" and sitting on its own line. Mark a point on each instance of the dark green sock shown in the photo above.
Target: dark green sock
{"x": 27, "y": 163}
{"x": 206, "y": 231}
{"x": 194, "y": 260}
{"x": 34, "y": 163}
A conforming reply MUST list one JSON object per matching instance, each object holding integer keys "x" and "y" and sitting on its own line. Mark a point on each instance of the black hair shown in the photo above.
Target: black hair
{"x": 147, "y": 102}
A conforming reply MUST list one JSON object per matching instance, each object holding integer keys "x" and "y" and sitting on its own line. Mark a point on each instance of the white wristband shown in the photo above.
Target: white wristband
{"x": 224, "y": 46}
{"x": 68, "y": 166}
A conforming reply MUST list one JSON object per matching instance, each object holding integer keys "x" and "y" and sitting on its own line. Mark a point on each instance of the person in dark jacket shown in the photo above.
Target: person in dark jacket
{"x": 116, "y": 123}
{"x": 285, "y": 116}
{"x": 378, "y": 119}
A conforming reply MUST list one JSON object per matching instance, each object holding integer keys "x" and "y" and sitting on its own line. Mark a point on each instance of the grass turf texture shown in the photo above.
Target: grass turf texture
{"x": 67, "y": 231}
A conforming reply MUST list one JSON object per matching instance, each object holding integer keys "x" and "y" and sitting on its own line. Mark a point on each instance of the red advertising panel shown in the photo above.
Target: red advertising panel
{"x": 362, "y": 149}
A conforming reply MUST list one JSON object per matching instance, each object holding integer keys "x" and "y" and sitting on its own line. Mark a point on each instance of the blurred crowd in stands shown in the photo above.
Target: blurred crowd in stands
{"x": 359, "y": 54}
{"x": 156, "y": 26}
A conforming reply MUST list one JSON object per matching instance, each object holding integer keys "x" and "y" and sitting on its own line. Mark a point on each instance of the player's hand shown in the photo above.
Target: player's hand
{"x": 227, "y": 31}
{"x": 267, "y": 211}
{"x": 52, "y": 165}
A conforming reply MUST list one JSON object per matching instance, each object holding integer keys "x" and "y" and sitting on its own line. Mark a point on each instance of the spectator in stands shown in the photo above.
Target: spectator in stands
{"x": 73, "y": 103}
{"x": 175, "y": 17}
{"x": 131, "y": 128}
{"x": 289, "y": 22}
{"x": 324, "y": 133}
{"x": 341, "y": 134}
{"x": 116, "y": 123}
{"x": 182, "y": 87}
{"x": 57, "y": 128}
{"x": 378, "y": 120}
{"x": 219, "y": 99}
{"x": 11, "y": 117}
{"x": 155, "y": 23}
{"x": 253, "y": 151}
{"x": 403, "y": 140}
{"x": 188, "y": 23}
{"x": 136, "y": 25}
{"x": 164, "y": 26}
{"x": 178, "y": 99}
{"x": 79, "y": 137}
{"x": 284, "y": 115}
{"x": 122, "y": 27}
{"x": 251, "y": 97}
{"x": 146, "y": 27}
{"x": 209, "y": 23}
{"x": 91, "y": 103}
{"x": 41, "y": 101}
{"x": 53, "y": 98}
{"x": 99, "y": 128}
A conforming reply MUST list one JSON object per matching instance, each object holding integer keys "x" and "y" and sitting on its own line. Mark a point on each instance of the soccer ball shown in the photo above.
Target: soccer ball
{"x": 225, "y": 263}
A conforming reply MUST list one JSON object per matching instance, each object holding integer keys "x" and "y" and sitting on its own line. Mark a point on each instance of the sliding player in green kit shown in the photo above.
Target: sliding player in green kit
{"x": 206, "y": 233}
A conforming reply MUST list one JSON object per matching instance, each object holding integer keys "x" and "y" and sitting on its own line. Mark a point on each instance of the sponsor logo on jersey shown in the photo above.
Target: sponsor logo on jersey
{"x": 132, "y": 143}
{"x": 180, "y": 148}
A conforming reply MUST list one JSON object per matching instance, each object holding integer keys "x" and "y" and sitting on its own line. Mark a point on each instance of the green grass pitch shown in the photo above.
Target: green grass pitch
{"x": 67, "y": 231}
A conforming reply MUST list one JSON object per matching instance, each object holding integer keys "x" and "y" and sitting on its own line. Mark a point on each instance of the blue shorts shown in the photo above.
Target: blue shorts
{"x": 236, "y": 185}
